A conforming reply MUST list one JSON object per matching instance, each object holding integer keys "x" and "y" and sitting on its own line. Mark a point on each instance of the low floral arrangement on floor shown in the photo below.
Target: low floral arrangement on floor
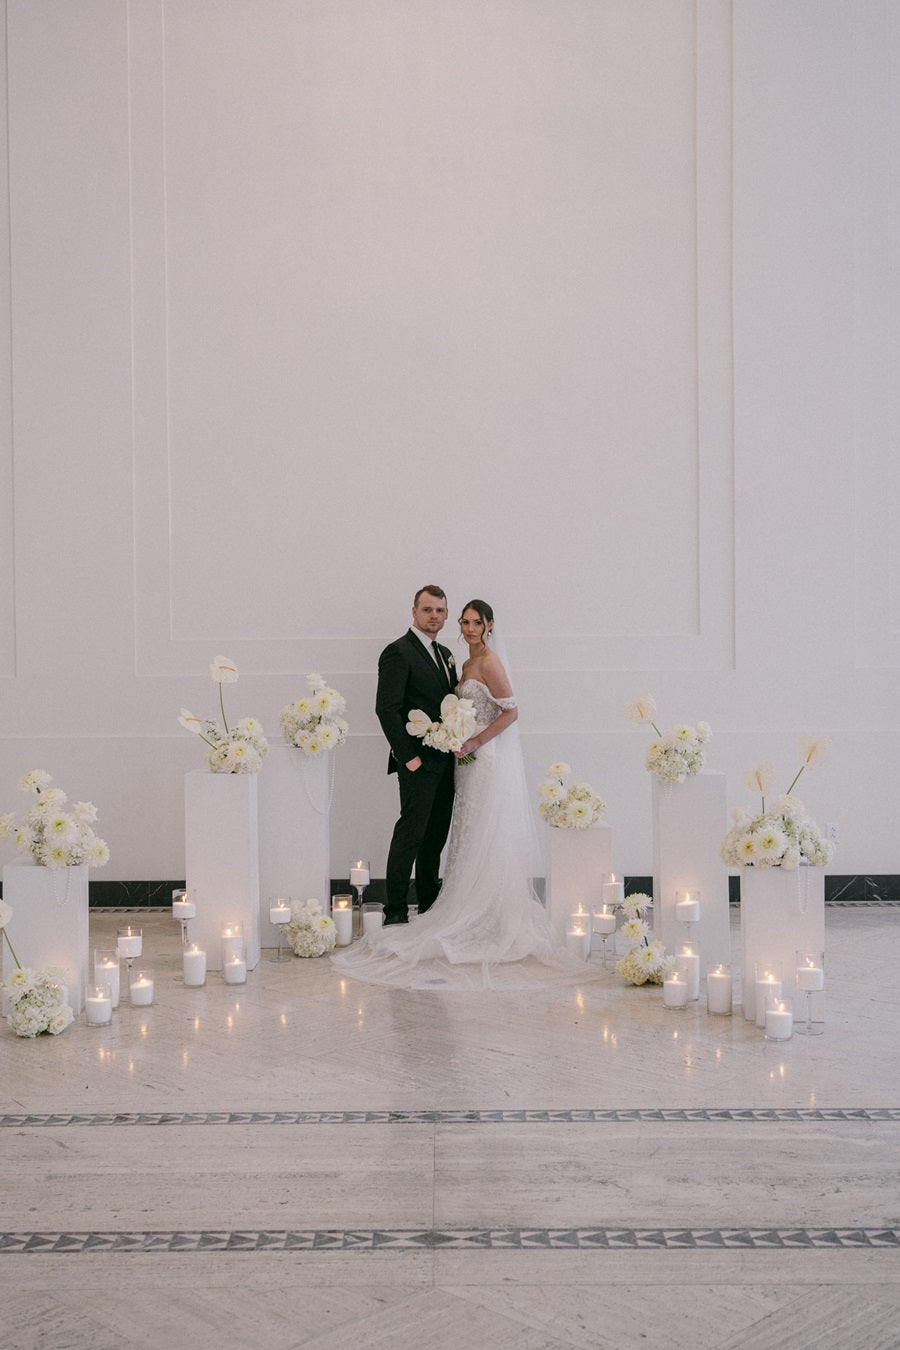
{"x": 239, "y": 749}
{"x": 314, "y": 724}
{"x": 37, "y": 998}
{"x": 568, "y": 808}
{"x": 457, "y": 724}
{"x": 310, "y": 931}
{"x": 676, "y": 755}
{"x": 646, "y": 961}
{"x": 55, "y": 837}
{"x": 784, "y": 835}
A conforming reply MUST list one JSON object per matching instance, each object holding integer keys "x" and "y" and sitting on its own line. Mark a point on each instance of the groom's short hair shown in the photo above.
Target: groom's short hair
{"x": 432, "y": 590}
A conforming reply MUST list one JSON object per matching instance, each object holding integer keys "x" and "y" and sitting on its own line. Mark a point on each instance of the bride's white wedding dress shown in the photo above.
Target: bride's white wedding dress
{"x": 487, "y": 929}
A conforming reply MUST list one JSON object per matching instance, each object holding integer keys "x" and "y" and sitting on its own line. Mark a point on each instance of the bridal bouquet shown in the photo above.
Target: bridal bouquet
{"x": 678, "y": 754}
{"x": 53, "y": 835}
{"x": 314, "y": 723}
{"x": 457, "y": 724}
{"x": 784, "y": 834}
{"x": 568, "y": 808}
{"x": 646, "y": 961}
{"x": 238, "y": 749}
{"x": 310, "y": 931}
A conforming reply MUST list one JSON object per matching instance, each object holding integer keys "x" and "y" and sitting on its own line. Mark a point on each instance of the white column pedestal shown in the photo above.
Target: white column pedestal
{"x": 579, "y": 862}
{"x": 49, "y": 926}
{"x": 294, "y": 830}
{"x": 690, "y": 821}
{"x": 782, "y": 912}
{"x": 222, "y": 859}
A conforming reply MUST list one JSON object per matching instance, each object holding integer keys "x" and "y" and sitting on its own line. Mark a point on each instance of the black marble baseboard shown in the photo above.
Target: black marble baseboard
{"x": 861, "y": 889}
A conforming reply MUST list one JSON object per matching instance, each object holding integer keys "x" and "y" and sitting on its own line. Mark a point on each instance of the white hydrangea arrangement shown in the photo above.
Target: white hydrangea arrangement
{"x": 457, "y": 723}
{"x": 56, "y": 835}
{"x": 238, "y": 749}
{"x": 37, "y": 999}
{"x": 572, "y": 807}
{"x": 646, "y": 961}
{"x": 784, "y": 835}
{"x": 677, "y": 754}
{"x": 314, "y": 723}
{"x": 310, "y": 931}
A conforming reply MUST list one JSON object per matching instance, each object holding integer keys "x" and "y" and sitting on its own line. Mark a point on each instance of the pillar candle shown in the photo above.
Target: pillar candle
{"x": 279, "y": 913}
{"x": 811, "y": 978}
{"x": 106, "y": 971}
{"x": 343, "y": 923}
{"x": 194, "y": 965}
{"x": 98, "y": 1006}
{"x": 719, "y": 990}
{"x": 604, "y": 920}
{"x": 779, "y": 1022}
{"x": 235, "y": 970}
{"x": 765, "y": 985}
{"x": 675, "y": 992}
{"x": 141, "y": 991}
{"x": 687, "y": 907}
{"x": 688, "y": 965}
{"x": 359, "y": 874}
{"x": 232, "y": 941}
{"x": 613, "y": 891}
{"x": 373, "y": 919}
{"x": 577, "y": 939}
{"x": 128, "y": 943}
{"x": 184, "y": 909}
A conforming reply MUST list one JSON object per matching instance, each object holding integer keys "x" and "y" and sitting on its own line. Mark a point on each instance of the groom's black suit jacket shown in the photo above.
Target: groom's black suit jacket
{"x": 408, "y": 677}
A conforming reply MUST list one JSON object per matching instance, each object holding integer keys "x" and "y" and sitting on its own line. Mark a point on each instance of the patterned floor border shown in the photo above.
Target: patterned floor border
{"x": 590, "y": 1116}
{"x": 481, "y": 1239}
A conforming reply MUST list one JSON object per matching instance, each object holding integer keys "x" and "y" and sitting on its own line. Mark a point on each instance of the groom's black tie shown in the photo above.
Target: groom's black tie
{"x": 440, "y": 660}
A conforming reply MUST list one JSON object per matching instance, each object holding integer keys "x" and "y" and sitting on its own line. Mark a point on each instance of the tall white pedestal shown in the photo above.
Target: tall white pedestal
{"x": 294, "y": 830}
{"x": 222, "y": 859}
{"x": 579, "y": 863}
{"x": 782, "y": 912}
{"x": 690, "y": 820}
{"x": 49, "y": 926}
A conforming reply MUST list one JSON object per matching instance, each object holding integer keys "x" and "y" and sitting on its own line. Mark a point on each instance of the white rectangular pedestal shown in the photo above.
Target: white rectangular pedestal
{"x": 49, "y": 926}
{"x": 294, "y": 830}
{"x": 580, "y": 861}
{"x": 690, "y": 821}
{"x": 222, "y": 859}
{"x": 782, "y": 912}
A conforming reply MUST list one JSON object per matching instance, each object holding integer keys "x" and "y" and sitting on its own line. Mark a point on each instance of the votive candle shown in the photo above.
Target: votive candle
{"x": 98, "y": 1006}
{"x": 779, "y": 1021}
{"x": 141, "y": 989}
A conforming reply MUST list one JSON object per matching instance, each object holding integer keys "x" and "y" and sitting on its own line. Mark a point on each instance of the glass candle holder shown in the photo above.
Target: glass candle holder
{"x": 768, "y": 981}
{"x": 107, "y": 971}
{"x": 97, "y": 1005}
{"x": 342, "y": 915}
{"x": 719, "y": 989}
{"x": 778, "y": 1019}
{"x": 193, "y": 962}
{"x": 810, "y": 979}
{"x": 233, "y": 941}
{"x": 675, "y": 992}
{"x": 140, "y": 989}
{"x": 372, "y": 917}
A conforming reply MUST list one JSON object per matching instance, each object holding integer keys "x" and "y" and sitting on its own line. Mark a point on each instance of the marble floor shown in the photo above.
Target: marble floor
{"x": 308, "y": 1161}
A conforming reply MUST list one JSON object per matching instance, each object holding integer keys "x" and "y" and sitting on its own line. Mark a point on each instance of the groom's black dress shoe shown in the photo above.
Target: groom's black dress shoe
{"x": 396, "y": 919}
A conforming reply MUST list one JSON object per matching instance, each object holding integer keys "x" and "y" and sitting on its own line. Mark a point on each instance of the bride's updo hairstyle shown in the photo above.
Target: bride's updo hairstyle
{"x": 484, "y": 612}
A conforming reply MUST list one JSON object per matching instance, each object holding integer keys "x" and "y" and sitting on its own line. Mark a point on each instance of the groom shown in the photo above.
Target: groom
{"x": 417, "y": 672}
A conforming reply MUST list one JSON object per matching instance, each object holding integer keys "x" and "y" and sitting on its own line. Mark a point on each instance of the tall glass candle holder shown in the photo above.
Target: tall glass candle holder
{"x": 106, "y": 971}
{"x": 233, "y": 941}
{"x": 603, "y": 925}
{"x": 687, "y": 963}
{"x": 810, "y": 979}
{"x": 359, "y": 879}
{"x": 184, "y": 909}
{"x": 768, "y": 981}
{"x": 129, "y": 944}
{"x": 342, "y": 916}
{"x": 687, "y": 910}
{"x": 280, "y": 915}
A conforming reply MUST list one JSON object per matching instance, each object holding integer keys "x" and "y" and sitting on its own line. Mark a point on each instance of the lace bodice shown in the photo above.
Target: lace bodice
{"x": 486, "y": 706}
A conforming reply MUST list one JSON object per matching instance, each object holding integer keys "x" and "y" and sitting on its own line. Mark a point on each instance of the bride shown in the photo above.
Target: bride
{"x": 487, "y": 928}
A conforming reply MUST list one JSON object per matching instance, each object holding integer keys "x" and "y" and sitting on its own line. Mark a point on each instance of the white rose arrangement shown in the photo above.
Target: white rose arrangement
{"x": 55, "y": 834}
{"x": 456, "y": 725}
{"x": 310, "y": 931}
{"x": 314, "y": 723}
{"x": 646, "y": 961}
{"x": 238, "y": 749}
{"x": 784, "y": 835}
{"x": 572, "y": 807}
{"x": 677, "y": 754}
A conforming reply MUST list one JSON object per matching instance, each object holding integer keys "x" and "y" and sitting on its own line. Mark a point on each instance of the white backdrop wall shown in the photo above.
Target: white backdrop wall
{"x": 588, "y": 307}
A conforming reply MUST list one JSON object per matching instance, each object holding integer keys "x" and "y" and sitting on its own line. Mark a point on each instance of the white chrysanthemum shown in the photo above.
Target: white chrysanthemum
{"x": 7, "y": 824}
{"x": 769, "y": 844}
{"x": 56, "y": 855}
{"x": 35, "y": 780}
{"x": 641, "y": 709}
{"x": 633, "y": 906}
{"x": 328, "y": 735}
{"x": 578, "y": 815}
{"x": 85, "y": 812}
{"x": 683, "y": 735}
{"x": 96, "y": 852}
{"x": 250, "y": 727}
{"x": 61, "y": 828}
{"x": 314, "y": 680}
{"x": 634, "y": 930}
{"x": 559, "y": 770}
{"x": 20, "y": 981}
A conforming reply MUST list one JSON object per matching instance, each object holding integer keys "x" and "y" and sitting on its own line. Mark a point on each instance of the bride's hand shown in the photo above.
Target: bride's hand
{"x": 468, "y": 747}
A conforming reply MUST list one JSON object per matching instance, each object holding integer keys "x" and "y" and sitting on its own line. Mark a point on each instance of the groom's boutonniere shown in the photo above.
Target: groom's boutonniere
{"x": 451, "y": 662}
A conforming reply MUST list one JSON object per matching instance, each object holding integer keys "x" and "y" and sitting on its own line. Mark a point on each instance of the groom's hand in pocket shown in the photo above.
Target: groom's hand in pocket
{"x": 415, "y": 764}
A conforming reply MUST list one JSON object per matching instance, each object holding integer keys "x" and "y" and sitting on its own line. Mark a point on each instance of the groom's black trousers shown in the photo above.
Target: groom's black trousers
{"x": 426, "y": 804}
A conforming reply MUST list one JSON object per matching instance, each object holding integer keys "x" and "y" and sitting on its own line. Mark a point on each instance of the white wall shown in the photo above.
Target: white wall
{"x": 584, "y": 306}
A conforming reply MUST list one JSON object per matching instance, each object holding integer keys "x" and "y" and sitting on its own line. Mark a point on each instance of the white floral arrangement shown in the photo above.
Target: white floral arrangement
{"x": 314, "y": 723}
{"x": 310, "y": 931}
{"x": 456, "y": 725}
{"x": 646, "y": 961}
{"x": 54, "y": 835}
{"x": 37, "y": 1001}
{"x": 238, "y": 749}
{"x": 677, "y": 754}
{"x": 784, "y": 835}
{"x": 572, "y": 807}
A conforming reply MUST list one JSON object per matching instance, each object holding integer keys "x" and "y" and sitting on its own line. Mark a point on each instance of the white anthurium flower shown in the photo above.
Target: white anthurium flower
{"x": 418, "y": 723}
{"x": 223, "y": 670}
{"x": 641, "y": 709}
{"x": 759, "y": 777}
{"x": 6, "y": 913}
{"x": 191, "y": 723}
{"x": 814, "y": 750}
